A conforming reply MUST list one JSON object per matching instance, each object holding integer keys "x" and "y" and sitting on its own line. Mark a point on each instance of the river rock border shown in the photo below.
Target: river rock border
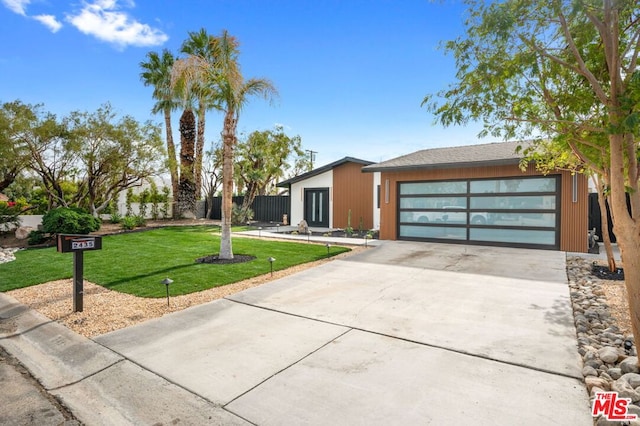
{"x": 610, "y": 361}
{"x": 7, "y": 254}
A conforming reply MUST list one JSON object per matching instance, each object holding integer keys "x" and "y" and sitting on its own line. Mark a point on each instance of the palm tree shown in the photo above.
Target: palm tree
{"x": 232, "y": 94}
{"x": 217, "y": 81}
{"x": 200, "y": 44}
{"x": 185, "y": 78}
{"x": 156, "y": 72}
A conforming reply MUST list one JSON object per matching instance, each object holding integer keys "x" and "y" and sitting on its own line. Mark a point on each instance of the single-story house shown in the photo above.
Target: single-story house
{"x": 324, "y": 196}
{"x": 478, "y": 194}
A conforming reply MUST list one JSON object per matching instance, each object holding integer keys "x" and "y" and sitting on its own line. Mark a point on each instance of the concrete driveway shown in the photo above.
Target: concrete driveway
{"x": 405, "y": 333}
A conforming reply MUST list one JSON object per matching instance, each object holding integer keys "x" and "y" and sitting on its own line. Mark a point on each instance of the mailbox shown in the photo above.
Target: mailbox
{"x": 78, "y": 244}
{"x": 69, "y": 243}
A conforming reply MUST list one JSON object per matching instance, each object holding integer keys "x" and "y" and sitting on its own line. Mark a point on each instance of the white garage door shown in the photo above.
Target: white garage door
{"x": 517, "y": 212}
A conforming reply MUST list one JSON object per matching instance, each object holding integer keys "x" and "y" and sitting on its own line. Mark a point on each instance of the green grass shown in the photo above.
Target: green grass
{"x": 135, "y": 263}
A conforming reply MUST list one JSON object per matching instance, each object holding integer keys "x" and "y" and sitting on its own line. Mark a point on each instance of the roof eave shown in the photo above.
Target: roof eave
{"x": 465, "y": 165}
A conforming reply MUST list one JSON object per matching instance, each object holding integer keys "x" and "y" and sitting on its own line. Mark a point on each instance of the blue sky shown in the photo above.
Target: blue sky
{"x": 350, "y": 73}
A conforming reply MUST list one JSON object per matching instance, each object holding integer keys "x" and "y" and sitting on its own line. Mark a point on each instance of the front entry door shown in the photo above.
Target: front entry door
{"x": 316, "y": 207}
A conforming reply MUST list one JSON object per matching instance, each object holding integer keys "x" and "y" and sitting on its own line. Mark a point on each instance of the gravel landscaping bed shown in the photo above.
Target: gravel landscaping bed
{"x": 605, "y": 340}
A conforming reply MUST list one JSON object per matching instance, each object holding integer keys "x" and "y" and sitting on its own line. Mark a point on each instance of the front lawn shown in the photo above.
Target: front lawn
{"x": 135, "y": 263}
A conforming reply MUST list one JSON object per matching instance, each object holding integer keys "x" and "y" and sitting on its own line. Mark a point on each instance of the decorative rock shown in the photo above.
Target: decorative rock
{"x": 595, "y": 363}
{"x": 615, "y": 373}
{"x": 608, "y": 354}
{"x": 598, "y": 382}
{"x": 630, "y": 365}
{"x": 625, "y": 390}
{"x": 632, "y": 378}
{"x": 303, "y": 227}
{"x": 594, "y": 391}
{"x": 7, "y": 254}
{"x": 23, "y": 232}
{"x": 589, "y": 371}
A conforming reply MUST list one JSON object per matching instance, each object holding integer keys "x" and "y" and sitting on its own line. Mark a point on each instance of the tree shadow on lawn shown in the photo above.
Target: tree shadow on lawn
{"x": 212, "y": 260}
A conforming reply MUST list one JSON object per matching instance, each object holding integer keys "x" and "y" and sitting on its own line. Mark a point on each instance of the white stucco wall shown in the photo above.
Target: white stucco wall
{"x": 323, "y": 180}
{"x": 376, "y": 202}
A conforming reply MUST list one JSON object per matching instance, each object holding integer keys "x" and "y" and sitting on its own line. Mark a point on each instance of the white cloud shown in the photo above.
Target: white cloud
{"x": 49, "y": 21}
{"x": 103, "y": 20}
{"x": 17, "y": 6}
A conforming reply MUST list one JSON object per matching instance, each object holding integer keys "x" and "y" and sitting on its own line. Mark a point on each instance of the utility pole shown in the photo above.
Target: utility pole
{"x": 312, "y": 156}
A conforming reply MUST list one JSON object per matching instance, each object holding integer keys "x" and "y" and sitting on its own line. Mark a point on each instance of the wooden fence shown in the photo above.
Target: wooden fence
{"x": 266, "y": 208}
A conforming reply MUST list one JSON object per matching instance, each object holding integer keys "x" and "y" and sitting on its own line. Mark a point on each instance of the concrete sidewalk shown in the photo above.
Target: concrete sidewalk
{"x": 283, "y": 233}
{"x": 406, "y": 333}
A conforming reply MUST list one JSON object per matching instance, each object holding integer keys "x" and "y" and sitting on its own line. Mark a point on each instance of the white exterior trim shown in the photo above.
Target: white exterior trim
{"x": 377, "y": 180}
{"x": 323, "y": 180}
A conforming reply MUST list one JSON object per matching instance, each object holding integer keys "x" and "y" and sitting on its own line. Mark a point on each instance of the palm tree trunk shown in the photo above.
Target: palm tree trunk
{"x": 199, "y": 150}
{"x": 228, "y": 145}
{"x": 171, "y": 151}
{"x": 186, "y": 187}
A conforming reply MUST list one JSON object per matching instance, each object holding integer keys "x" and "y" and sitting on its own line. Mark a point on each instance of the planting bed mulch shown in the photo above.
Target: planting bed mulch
{"x": 603, "y": 272}
{"x": 215, "y": 259}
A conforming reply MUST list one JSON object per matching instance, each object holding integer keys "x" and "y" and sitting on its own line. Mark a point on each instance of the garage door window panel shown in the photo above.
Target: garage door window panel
{"x": 439, "y": 232}
{"x": 433, "y": 203}
{"x": 513, "y": 185}
{"x": 538, "y": 237}
{"x": 425, "y": 188}
{"x": 515, "y": 202}
{"x": 510, "y": 219}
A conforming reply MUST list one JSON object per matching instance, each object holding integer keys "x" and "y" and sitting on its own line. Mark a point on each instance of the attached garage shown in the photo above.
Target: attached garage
{"x": 479, "y": 195}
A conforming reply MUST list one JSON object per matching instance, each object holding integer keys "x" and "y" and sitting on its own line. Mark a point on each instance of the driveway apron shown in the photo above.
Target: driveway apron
{"x": 405, "y": 333}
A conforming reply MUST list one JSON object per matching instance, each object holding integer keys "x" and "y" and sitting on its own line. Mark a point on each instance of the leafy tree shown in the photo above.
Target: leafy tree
{"x": 52, "y": 157}
{"x": 156, "y": 72}
{"x": 113, "y": 155}
{"x": 263, "y": 159}
{"x": 9, "y": 216}
{"x": 16, "y": 121}
{"x": 565, "y": 70}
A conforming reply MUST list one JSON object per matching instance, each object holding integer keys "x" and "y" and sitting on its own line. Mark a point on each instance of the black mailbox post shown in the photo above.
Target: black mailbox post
{"x": 78, "y": 244}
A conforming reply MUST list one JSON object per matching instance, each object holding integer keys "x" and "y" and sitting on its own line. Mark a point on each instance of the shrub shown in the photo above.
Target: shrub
{"x": 8, "y": 216}
{"x": 128, "y": 202}
{"x": 145, "y": 196}
{"x": 69, "y": 220}
{"x": 140, "y": 221}
{"x": 115, "y": 217}
{"x": 155, "y": 197}
{"x": 37, "y": 237}
{"x": 239, "y": 216}
{"x": 165, "y": 202}
{"x": 128, "y": 222}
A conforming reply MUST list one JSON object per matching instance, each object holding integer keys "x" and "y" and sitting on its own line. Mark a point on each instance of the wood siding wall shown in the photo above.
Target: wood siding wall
{"x": 573, "y": 216}
{"x": 352, "y": 190}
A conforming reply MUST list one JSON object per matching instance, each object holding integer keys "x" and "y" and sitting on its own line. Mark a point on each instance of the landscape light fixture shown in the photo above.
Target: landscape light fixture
{"x": 628, "y": 344}
{"x": 271, "y": 260}
{"x": 366, "y": 237}
{"x": 259, "y": 231}
{"x": 277, "y": 228}
{"x": 309, "y": 235}
{"x": 328, "y": 246}
{"x": 166, "y": 282}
